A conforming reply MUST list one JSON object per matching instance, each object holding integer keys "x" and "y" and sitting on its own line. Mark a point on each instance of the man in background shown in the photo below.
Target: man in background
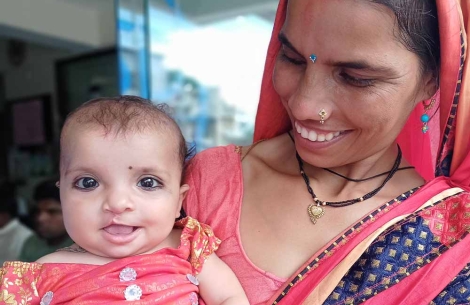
{"x": 13, "y": 233}
{"x": 49, "y": 224}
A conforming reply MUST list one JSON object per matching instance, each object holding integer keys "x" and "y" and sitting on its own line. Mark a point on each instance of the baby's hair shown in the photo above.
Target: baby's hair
{"x": 126, "y": 114}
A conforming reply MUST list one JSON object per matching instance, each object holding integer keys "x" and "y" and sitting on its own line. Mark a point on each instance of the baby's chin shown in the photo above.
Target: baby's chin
{"x": 118, "y": 253}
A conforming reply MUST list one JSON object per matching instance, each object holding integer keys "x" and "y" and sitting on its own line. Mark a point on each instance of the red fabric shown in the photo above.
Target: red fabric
{"x": 461, "y": 158}
{"x": 271, "y": 118}
{"x": 301, "y": 291}
{"x": 162, "y": 275}
{"x": 441, "y": 148}
{"x": 215, "y": 197}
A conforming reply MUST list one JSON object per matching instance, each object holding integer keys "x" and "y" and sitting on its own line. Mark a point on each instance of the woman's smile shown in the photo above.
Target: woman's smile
{"x": 316, "y": 135}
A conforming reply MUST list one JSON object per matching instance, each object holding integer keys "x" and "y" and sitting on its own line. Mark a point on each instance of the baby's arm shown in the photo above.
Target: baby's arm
{"x": 218, "y": 285}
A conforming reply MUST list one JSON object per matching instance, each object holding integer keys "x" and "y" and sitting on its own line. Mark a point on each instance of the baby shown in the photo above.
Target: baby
{"x": 121, "y": 167}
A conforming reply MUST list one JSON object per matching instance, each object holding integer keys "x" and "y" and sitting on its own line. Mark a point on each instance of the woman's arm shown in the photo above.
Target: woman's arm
{"x": 218, "y": 284}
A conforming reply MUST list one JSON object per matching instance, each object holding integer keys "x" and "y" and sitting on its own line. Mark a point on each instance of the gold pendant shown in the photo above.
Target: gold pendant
{"x": 315, "y": 212}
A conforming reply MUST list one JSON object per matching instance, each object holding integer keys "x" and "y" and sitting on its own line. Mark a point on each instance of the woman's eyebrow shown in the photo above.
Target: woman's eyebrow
{"x": 363, "y": 65}
{"x": 283, "y": 39}
{"x": 358, "y": 65}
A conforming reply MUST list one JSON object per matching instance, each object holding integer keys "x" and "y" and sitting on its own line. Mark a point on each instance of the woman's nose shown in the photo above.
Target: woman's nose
{"x": 312, "y": 99}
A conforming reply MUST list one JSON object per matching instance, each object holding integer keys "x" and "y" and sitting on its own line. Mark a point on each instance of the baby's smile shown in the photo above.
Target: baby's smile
{"x": 120, "y": 234}
{"x": 115, "y": 229}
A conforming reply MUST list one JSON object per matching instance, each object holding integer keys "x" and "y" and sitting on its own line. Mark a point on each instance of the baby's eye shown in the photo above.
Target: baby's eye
{"x": 86, "y": 183}
{"x": 149, "y": 183}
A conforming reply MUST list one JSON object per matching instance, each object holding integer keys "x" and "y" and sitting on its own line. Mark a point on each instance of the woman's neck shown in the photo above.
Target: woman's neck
{"x": 330, "y": 187}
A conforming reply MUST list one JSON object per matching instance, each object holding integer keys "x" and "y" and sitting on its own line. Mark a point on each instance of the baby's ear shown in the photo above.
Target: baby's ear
{"x": 183, "y": 191}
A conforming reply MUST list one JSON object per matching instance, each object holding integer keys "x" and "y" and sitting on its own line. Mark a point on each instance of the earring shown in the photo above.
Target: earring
{"x": 313, "y": 58}
{"x": 57, "y": 184}
{"x": 425, "y": 117}
{"x": 322, "y": 115}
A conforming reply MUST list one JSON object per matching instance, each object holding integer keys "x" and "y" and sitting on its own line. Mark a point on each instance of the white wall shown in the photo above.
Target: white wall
{"x": 62, "y": 20}
{"x": 34, "y": 76}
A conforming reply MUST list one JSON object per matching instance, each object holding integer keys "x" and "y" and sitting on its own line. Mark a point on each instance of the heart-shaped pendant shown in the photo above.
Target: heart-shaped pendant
{"x": 315, "y": 212}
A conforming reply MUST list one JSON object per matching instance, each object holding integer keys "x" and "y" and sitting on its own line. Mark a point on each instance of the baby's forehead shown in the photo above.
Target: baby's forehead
{"x": 80, "y": 134}
{"x": 75, "y": 130}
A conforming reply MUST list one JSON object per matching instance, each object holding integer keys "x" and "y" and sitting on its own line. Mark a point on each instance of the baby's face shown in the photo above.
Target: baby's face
{"x": 120, "y": 195}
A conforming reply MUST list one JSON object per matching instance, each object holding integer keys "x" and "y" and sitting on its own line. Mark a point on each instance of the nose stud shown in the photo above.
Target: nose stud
{"x": 322, "y": 115}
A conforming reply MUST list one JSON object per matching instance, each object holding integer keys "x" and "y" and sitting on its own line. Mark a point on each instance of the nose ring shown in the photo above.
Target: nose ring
{"x": 322, "y": 115}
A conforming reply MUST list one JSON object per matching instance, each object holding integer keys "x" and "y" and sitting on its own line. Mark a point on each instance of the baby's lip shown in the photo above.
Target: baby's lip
{"x": 117, "y": 229}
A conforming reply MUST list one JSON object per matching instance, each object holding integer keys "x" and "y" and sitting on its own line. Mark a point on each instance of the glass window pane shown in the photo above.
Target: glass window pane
{"x": 133, "y": 48}
{"x": 208, "y": 67}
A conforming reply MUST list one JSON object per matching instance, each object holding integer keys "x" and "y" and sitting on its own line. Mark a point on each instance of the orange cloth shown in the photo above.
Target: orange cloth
{"x": 162, "y": 276}
{"x": 215, "y": 197}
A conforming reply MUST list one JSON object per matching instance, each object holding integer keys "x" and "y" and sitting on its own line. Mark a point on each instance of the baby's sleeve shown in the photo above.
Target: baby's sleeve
{"x": 202, "y": 242}
{"x": 18, "y": 282}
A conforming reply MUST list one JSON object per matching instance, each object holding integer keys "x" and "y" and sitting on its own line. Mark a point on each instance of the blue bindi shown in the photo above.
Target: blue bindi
{"x": 313, "y": 58}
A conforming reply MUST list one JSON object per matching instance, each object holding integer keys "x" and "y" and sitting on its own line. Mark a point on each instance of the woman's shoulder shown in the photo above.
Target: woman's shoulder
{"x": 271, "y": 155}
{"x": 212, "y": 163}
{"x": 215, "y": 182}
{"x": 264, "y": 149}
{"x": 215, "y": 154}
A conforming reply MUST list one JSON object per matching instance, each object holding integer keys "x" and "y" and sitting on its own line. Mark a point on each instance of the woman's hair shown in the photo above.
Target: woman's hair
{"x": 419, "y": 30}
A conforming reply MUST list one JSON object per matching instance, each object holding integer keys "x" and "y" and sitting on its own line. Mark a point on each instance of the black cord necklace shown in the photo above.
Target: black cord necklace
{"x": 357, "y": 180}
{"x": 368, "y": 178}
{"x": 316, "y": 211}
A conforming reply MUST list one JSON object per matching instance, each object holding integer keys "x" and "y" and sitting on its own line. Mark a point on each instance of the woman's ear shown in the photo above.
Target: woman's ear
{"x": 430, "y": 86}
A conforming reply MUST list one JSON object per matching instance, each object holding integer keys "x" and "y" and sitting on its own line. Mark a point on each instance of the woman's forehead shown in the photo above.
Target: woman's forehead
{"x": 344, "y": 29}
{"x": 339, "y": 16}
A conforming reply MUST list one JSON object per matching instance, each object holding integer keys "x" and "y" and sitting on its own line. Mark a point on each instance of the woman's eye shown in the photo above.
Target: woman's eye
{"x": 86, "y": 183}
{"x": 287, "y": 55}
{"x": 148, "y": 183}
{"x": 357, "y": 82}
{"x": 291, "y": 60}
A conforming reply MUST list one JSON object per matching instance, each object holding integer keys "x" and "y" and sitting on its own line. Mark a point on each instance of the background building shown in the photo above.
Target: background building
{"x": 202, "y": 57}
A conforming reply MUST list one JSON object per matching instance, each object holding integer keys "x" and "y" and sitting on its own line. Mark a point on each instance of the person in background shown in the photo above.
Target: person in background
{"x": 49, "y": 224}
{"x": 13, "y": 233}
{"x": 356, "y": 189}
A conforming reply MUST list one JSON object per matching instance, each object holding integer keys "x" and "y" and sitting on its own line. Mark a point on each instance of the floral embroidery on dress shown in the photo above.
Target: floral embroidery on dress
{"x": 18, "y": 281}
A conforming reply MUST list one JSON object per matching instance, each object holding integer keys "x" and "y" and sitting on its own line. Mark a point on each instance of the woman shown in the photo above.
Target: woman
{"x": 327, "y": 208}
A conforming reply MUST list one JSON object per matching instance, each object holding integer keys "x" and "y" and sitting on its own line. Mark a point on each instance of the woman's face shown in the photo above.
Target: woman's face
{"x": 364, "y": 78}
